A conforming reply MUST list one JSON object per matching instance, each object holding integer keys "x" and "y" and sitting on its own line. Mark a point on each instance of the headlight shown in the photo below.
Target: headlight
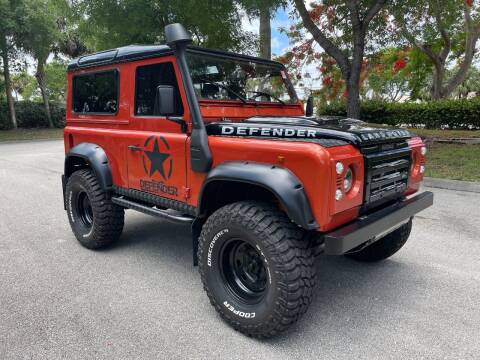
{"x": 348, "y": 180}
{"x": 339, "y": 168}
{"x": 338, "y": 195}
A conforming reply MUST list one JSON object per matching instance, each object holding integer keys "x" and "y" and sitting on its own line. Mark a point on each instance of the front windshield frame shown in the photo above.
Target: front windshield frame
{"x": 234, "y": 95}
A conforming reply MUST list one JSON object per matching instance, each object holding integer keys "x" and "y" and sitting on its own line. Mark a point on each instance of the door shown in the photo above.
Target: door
{"x": 156, "y": 148}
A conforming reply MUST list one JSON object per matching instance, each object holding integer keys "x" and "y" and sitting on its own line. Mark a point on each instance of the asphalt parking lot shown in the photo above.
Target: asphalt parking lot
{"x": 142, "y": 298}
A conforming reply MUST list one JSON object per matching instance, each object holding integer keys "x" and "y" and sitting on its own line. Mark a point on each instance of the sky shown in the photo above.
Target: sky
{"x": 279, "y": 40}
{"x": 280, "y": 43}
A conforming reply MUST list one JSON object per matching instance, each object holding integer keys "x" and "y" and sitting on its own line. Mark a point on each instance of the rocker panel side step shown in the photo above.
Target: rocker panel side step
{"x": 152, "y": 210}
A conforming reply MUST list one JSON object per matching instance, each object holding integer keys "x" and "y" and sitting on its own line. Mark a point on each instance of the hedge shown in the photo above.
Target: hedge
{"x": 32, "y": 115}
{"x": 453, "y": 114}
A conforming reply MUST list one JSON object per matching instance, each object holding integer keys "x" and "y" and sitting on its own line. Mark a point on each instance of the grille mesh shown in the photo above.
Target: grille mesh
{"x": 386, "y": 173}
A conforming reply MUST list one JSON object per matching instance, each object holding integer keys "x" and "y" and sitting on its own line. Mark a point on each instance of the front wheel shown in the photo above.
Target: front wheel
{"x": 256, "y": 267}
{"x": 384, "y": 247}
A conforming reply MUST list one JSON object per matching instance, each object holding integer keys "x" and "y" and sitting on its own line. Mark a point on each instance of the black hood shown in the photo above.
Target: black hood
{"x": 327, "y": 131}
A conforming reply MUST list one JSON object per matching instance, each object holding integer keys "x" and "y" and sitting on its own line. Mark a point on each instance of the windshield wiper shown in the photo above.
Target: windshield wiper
{"x": 240, "y": 97}
{"x": 262, "y": 93}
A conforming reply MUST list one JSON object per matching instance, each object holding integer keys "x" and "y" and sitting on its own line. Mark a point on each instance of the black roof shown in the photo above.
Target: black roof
{"x": 122, "y": 54}
{"x": 138, "y": 52}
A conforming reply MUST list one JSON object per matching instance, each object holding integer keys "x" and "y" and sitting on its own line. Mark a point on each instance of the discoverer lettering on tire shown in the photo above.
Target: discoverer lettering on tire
{"x": 212, "y": 244}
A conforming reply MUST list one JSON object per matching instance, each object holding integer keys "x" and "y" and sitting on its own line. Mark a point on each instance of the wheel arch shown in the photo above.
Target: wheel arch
{"x": 88, "y": 155}
{"x": 232, "y": 180}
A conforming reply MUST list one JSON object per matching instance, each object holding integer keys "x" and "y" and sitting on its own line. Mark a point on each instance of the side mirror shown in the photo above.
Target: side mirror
{"x": 164, "y": 101}
{"x": 309, "y": 108}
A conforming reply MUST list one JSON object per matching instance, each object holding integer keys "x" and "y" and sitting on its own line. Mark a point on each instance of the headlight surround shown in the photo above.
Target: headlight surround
{"x": 348, "y": 180}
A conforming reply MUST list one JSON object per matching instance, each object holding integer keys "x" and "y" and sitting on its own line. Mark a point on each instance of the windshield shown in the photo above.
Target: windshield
{"x": 221, "y": 78}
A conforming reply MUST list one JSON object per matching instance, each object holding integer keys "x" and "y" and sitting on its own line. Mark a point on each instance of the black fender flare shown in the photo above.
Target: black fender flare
{"x": 95, "y": 158}
{"x": 281, "y": 182}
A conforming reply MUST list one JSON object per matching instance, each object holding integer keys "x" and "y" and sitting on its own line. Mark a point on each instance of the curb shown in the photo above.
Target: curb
{"x": 469, "y": 186}
{"x": 28, "y": 141}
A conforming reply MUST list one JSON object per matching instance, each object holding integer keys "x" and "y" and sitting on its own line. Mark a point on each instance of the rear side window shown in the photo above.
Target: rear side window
{"x": 148, "y": 78}
{"x": 96, "y": 93}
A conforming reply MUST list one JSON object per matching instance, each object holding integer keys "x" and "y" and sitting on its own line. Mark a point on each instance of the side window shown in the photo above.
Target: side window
{"x": 96, "y": 93}
{"x": 148, "y": 78}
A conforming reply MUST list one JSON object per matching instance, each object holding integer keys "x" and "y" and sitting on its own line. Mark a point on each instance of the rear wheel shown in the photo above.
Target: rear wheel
{"x": 94, "y": 219}
{"x": 384, "y": 247}
{"x": 256, "y": 267}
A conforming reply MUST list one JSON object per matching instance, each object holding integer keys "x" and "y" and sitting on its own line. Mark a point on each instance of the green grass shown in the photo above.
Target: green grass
{"x": 437, "y": 133}
{"x": 450, "y": 161}
{"x": 446, "y": 134}
{"x": 30, "y": 134}
{"x": 453, "y": 161}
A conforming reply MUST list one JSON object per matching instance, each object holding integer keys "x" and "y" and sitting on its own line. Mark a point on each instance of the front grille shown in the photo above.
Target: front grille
{"x": 386, "y": 173}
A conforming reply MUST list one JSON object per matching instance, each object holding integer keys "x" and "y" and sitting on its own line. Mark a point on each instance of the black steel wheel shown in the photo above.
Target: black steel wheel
{"x": 243, "y": 269}
{"x": 257, "y": 267}
{"x": 84, "y": 209}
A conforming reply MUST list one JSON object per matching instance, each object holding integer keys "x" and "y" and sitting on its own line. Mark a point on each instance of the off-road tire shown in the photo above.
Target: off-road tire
{"x": 384, "y": 247}
{"x": 106, "y": 217}
{"x": 286, "y": 256}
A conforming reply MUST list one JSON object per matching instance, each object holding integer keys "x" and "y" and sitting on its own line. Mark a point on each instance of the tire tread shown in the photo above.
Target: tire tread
{"x": 292, "y": 259}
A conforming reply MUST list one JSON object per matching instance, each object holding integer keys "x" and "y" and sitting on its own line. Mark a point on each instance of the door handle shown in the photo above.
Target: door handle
{"x": 134, "y": 148}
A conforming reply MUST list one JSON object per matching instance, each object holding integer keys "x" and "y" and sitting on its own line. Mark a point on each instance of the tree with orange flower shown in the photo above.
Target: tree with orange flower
{"x": 343, "y": 29}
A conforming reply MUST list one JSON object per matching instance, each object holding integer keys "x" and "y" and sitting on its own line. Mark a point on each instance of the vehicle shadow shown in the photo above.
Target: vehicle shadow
{"x": 350, "y": 296}
{"x": 156, "y": 237}
{"x": 347, "y": 294}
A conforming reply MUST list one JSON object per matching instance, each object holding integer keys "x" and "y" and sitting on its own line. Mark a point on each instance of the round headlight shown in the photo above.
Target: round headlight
{"x": 348, "y": 180}
{"x": 338, "y": 195}
{"x": 339, "y": 168}
{"x": 423, "y": 150}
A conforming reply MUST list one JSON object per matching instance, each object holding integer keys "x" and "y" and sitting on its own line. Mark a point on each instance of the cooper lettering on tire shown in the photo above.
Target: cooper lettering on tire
{"x": 256, "y": 267}
{"x": 237, "y": 312}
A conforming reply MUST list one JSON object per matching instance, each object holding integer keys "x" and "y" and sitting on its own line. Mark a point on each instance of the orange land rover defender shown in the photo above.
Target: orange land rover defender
{"x": 221, "y": 141}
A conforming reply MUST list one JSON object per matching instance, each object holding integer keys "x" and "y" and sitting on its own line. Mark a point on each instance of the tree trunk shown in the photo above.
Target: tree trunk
{"x": 437, "y": 82}
{"x": 353, "y": 101}
{"x": 40, "y": 75}
{"x": 353, "y": 78}
{"x": 8, "y": 87}
{"x": 351, "y": 70}
{"x": 466, "y": 64}
{"x": 265, "y": 34}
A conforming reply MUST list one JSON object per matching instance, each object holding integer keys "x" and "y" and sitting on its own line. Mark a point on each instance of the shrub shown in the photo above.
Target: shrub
{"x": 32, "y": 115}
{"x": 454, "y": 114}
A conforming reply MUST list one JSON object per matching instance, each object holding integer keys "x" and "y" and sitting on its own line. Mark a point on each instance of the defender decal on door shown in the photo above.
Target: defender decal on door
{"x": 156, "y": 153}
{"x": 158, "y": 187}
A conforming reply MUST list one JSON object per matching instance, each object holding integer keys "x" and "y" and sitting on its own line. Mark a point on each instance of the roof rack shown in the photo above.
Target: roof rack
{"x": 138, "y": 52}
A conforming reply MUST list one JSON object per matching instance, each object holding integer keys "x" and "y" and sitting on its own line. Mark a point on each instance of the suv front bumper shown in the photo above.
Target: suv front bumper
{"x": 370, "y": 228}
